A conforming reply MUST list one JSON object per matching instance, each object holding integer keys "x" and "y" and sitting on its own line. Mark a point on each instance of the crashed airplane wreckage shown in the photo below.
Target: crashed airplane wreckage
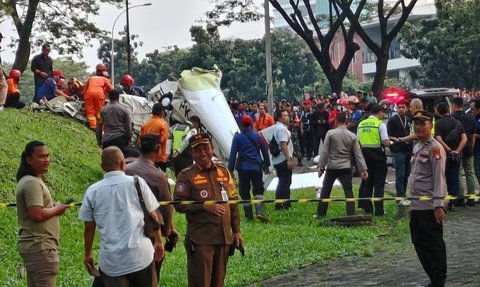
{"x": 197, "y": 93}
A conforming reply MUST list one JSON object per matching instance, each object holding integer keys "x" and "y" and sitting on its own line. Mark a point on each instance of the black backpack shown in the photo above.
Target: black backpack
{"x": 274, "y": 147}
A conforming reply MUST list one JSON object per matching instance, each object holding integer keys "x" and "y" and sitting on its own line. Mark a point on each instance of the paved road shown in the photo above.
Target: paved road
{"x": 461, "y": 233}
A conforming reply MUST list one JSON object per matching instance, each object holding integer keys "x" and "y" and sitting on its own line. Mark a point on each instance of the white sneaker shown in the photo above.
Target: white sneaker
{"x": 404, "y": 202}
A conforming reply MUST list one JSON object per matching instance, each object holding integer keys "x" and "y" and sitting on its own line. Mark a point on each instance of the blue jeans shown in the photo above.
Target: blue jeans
{"x": 401, "y": 161}
{"x": 283, "y": 188}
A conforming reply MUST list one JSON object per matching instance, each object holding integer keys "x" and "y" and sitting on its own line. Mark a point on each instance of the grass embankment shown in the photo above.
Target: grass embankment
{"x": 292, "y": 239}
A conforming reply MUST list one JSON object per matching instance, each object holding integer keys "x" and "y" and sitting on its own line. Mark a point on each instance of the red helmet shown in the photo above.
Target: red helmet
{"x": 15, "y": 74}
{"x": 127, "y": 80}
{"x": 100, "y": 67}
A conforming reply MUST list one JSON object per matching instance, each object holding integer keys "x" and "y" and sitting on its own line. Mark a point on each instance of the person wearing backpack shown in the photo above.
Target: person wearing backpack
{"x": 283, "y": 161}
{"x": 248, "y": 148}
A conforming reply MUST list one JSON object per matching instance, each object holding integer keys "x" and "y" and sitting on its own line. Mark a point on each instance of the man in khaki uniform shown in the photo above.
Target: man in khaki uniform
{"x": 209, "y": 230}
{"x": 426, "y": 217}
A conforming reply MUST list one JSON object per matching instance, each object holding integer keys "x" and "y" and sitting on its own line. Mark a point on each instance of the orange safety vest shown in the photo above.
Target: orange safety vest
{"x": 12, "y": 87}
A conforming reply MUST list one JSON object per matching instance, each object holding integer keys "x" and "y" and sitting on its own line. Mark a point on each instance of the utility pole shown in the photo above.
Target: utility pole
{"x": 129, "y": 59}
{"x": 268, "y": 56}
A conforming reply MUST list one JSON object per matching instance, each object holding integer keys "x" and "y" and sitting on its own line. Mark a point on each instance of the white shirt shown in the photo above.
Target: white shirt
{"x": 282, "y": 134}
{"x": 114, "y": 206}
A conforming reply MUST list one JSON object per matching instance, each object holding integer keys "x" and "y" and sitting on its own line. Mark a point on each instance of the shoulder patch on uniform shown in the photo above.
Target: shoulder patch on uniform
{"x": 436, "y": 153}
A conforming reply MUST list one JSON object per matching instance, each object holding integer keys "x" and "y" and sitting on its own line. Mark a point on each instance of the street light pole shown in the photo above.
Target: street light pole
{"x": 268, "y": 56}
{"x": 112, "y": 58}
{"x": 129, "y": 59}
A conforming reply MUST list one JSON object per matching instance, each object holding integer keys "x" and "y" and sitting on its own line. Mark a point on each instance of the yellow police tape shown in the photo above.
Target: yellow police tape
{"x": 302, "y": 200}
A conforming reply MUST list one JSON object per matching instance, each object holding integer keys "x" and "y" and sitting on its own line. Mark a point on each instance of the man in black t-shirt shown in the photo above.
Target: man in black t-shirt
{"x": 42, "y": 67}
{"x": 449, "y": 132}
{"x": 398, "y": 126}
{"x": 306, "y": 129}
{"x": 468, "y": 122}
{"x": 319, "y": 121}
{"x": 475, "y": 107}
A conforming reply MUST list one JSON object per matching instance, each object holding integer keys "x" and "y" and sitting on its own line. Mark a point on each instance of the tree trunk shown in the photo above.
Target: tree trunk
{"x": 381, "y": 72}
{"x": 24, "y": 31}
{"x": 336, "y": 82}
{"x": 22, "y": 54}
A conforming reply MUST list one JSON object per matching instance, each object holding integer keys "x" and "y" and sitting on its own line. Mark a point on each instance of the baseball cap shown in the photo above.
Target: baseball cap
{"x": 422, "y": 116}
{"x": 246, "y": 121}
{"x": 307, "y": 102}
{"x": 202, "y": 138}
{"x": 58, "y": 73}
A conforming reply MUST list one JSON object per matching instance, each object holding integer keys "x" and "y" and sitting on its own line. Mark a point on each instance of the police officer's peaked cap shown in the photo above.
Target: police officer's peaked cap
{"x": 202, "y": 138}
{"x": 422, "y": 116}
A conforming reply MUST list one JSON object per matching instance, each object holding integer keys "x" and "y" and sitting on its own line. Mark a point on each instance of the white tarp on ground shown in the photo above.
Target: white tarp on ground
{"x": 303, "y": 180}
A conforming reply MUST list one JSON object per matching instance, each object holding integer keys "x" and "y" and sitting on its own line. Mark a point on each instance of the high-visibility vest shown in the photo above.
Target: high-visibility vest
{"x": 369, "y": 134}
{"x": 179, "y": 133}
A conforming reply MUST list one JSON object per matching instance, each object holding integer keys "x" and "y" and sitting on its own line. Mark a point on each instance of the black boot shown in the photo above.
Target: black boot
{"x": 248, "y": 212}
{"x": 299, "y": 161}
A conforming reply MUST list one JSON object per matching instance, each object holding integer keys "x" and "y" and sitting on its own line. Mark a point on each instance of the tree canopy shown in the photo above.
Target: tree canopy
{"x": 344, "y": 19}
{"x": 446, "y": 45}
{"x": 63, "y": 23}
{"x": 241, "y": 61}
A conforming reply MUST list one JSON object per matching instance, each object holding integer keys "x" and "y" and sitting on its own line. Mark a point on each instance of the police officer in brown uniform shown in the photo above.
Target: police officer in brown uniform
{"x": 426, "y": 217}
{"x": 210, "y": 226}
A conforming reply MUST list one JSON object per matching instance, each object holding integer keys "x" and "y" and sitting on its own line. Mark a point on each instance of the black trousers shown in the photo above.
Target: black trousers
{"x": 13, "y": 101}
{"x": 345, "y": 178}
{"x": 121, "y": 142}
{"x": 247, "y": 179}
{"x": 142, "y": 278}
{"x": 301, "y": 145}
{"x": 308, "y": 142}
{"x": 316, "y": 145}
{"x": 375, "y": 184}
{"x": 427, "y": 238}
{"x": 283, "y": 187}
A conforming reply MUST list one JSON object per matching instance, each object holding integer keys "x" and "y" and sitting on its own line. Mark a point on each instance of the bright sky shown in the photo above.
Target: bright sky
{"x": 164, "y": 23}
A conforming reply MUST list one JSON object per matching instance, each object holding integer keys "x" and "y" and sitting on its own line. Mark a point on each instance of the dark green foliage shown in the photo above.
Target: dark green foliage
{"x": 446, "y": 46}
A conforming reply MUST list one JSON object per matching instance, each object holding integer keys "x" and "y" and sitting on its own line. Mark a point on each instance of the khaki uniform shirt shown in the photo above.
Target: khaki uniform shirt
{"x": 204, "y": 228}
{"x": 428, "y": 174}
{"x": 34, "y": 236}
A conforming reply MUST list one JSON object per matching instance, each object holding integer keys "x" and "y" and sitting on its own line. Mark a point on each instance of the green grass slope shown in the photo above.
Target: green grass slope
{"x": 292, "y": 239}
